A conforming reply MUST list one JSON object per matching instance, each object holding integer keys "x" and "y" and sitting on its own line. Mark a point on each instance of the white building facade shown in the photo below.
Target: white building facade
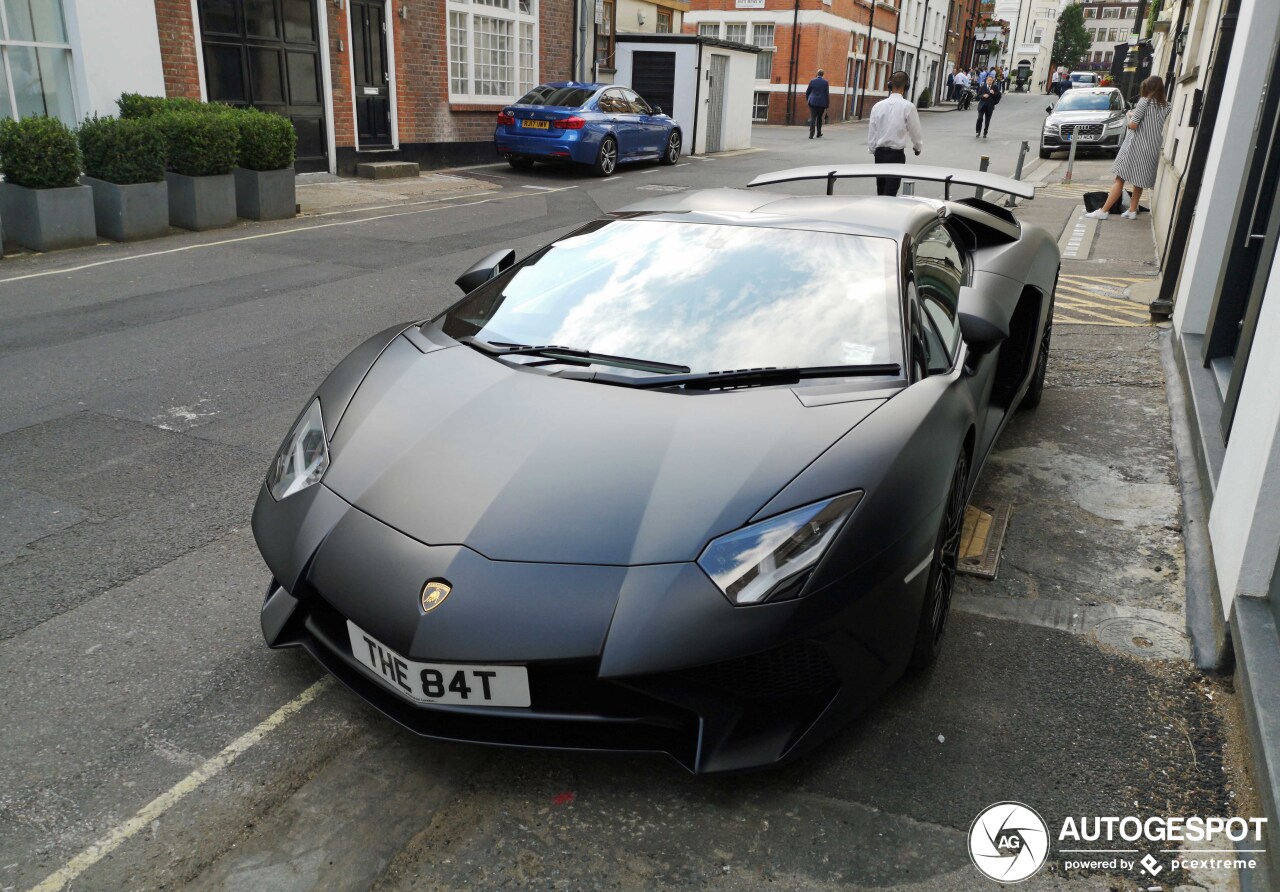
{"x": 922, "y": 37}
{"x": 1222, "y": 274}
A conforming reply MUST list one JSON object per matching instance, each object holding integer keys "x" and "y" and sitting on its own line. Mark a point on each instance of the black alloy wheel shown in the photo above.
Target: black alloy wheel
{"x": 942, "y": 573}
{"x": 607, "y": 160}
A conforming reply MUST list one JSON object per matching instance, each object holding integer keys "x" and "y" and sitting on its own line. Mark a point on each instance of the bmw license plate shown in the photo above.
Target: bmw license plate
{"x": 535, "y": 125}
{"x": 459, "y": 685}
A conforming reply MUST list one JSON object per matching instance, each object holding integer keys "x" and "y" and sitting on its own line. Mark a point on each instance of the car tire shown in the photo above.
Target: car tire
{"x": 1045, "y": 153}
{"x": 607, "y": 159}
{"x": 521, "y": 163}
{"x": 1035, "y": 390}
{"x": 936, "y": 606}
{"x": 672, "y": 154}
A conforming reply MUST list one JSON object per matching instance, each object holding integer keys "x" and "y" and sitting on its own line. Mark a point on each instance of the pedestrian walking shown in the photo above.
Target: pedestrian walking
{"x": 1139, "y": 156}
{"x": 951, "y": 84}
{"x": 894, "y": 123}
{"x": 988, "y": 98}
{"x": 819, "y": 97}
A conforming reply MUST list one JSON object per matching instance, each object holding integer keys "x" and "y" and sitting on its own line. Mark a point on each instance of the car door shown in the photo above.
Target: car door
{"x": 653, "y": 129}
{"x": 622, "y": 120}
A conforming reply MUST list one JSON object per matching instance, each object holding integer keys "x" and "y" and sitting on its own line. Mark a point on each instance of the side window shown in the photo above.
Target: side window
{"x": 1117, "y": 104}
{"x": 638, "y": 105}
{"x": 612, "y": 102}
{"x": 939, "y": 273}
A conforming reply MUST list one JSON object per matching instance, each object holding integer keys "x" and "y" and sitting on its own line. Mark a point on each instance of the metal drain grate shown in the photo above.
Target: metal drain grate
{"x": 982, "y": 538}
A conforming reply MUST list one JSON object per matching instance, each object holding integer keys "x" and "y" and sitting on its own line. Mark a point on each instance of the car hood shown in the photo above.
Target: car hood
{"x": 456, "y": 448}
{"x": 1087, "y": 116}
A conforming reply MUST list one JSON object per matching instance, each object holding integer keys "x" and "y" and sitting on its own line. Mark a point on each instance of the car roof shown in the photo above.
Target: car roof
{"x": 585, "y": 86}
{"x": 871, "y": 215}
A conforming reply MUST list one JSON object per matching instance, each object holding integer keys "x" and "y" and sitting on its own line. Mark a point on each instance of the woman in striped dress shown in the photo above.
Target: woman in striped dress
{"x": 1138, "y": 158}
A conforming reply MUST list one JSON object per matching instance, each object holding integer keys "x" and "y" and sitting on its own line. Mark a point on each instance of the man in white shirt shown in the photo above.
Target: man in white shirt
{"x": 894, "y": 122}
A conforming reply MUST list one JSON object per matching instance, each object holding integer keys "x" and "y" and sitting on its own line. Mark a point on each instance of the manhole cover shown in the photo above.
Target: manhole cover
{"x": 1141, "y": 637}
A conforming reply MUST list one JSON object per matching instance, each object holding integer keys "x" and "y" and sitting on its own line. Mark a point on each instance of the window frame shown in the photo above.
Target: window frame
{"x": 68, "y": 61}
{"x": 518, "y": 20}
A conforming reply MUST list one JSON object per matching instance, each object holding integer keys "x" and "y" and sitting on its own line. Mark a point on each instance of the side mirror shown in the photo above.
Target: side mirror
{"x": 657, "y": 110}
{"x": 983, "y": 324}
{"x": 483, "y": 270}
{"x": 1048, "y": 109}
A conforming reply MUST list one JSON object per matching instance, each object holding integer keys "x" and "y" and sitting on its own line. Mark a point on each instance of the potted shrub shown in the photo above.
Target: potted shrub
{"x": 265, "y": 184}
{"x": 201, "y": 150}
{"x": 135, "y": 105}
{"x": 124, "y": 166}
{"x": 41, "y": 201}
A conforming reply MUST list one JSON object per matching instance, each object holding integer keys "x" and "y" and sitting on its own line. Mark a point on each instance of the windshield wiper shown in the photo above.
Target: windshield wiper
{"x": 740, "y": 377}
{"x": 573, "y": 355}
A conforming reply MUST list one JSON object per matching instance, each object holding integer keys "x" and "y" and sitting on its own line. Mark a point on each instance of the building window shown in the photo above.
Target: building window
{"x": 528, "y": 67}
{"x": 664, "y": 21}
{"x": 736, "y": 33}
{"x": 760, "y": 106}
{"x": 604, "y": 34}
{"x": 493, "y": 52}
{"x": 35, "y": 61}
{"x": 1111, "y": 12}
{"x": 1090, "y": 12}
{"x": 762, "y": 36}
{"x": 709, "y": 29}
{"x": 1107, "y": 56}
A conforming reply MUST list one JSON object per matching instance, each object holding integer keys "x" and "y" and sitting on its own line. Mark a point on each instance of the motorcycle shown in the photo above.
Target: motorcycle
{"x": 966, "y": 97}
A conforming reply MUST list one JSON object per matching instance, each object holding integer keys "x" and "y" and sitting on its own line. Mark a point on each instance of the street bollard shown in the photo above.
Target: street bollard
{"x": 1071, "y": 160}
{"x": 982, "y": 166}
{"x": 1012, "y": 200}
{"x": 908, "y": 187}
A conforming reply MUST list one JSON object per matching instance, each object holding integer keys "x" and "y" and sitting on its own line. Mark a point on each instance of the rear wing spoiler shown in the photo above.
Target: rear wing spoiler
{"x": 948, "y": 176}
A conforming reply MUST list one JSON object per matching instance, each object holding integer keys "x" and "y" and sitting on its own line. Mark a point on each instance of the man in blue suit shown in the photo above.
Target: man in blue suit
{"x": 819, "y": 97}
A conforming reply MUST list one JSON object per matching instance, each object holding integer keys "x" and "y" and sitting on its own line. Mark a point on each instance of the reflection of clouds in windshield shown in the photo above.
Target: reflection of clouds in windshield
{"x": 708, "y": 296}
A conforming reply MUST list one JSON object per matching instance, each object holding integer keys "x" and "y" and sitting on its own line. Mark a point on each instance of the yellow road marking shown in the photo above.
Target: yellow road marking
{"x": 1069, "y": 301}
{"x": 1067, "y": 312}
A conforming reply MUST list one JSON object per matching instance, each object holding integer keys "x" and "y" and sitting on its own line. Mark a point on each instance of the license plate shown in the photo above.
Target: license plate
{"x": 535, "y": 125}
{"x": 460, "y": 685}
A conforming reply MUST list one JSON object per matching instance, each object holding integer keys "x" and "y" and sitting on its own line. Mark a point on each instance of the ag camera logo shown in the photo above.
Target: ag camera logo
{"x": 1008, "y": 842}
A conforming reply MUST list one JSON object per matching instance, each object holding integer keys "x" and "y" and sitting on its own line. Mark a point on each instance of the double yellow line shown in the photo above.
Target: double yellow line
{"x": 1098, "y": 300}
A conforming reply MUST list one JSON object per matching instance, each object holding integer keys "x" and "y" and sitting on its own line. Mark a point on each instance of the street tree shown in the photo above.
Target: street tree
{"x": 1071, "y": 41}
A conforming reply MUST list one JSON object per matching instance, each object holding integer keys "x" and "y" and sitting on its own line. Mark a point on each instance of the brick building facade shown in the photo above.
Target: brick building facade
{"x": 418, "y": 80}
{"x": 837, "y": 36}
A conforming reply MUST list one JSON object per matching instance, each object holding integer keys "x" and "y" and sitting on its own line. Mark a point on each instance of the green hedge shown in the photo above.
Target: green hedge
{"x": 267, "y": 141}
{"x": 135, "y": 105}
{"x": 39, "y": 153}
{"x": 123, "y": 151}
{"x": 200, "y": 145}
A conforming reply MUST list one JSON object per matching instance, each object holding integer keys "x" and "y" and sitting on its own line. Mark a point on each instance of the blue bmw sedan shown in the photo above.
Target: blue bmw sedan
{"x": 599, "y": 125}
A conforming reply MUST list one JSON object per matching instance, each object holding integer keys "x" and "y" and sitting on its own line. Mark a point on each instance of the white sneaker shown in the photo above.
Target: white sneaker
{"x": 1099, "y": 214}
{"x": 1130, "y": 215}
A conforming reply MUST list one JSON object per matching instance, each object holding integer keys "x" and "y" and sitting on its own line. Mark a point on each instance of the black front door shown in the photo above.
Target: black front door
{"x": 266, "y": 53}
{"x": 372, "y": 72}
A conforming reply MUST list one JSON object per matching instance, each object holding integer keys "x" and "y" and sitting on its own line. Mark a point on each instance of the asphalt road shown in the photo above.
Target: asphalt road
{"x": 150, "y": 741}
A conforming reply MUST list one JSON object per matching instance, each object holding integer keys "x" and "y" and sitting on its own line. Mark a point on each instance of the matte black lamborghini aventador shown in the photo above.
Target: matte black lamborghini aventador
{"x": 690, "y": 479}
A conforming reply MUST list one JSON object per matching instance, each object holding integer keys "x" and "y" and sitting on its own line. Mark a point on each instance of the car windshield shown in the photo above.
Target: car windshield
{"x": 1084, "y": 102}
{"x": 1084, "y": 79}
{"x": 566, "y": 97}
{"x": 708, "y": 296}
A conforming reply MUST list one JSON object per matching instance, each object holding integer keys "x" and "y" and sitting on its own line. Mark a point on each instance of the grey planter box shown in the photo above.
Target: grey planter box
{"x": 266, "y": 194}
{"x": 130, "y": 213}
{"x": 201, "y": 203}
{"x": 47, "y": 219}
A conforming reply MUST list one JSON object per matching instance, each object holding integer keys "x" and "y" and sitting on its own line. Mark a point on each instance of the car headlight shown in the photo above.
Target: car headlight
{"x": 1116, "y": 123}
{"x": 771, "y": 560}
{"x": 303, "y": 457}
{"x": 1051, "y": 129}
